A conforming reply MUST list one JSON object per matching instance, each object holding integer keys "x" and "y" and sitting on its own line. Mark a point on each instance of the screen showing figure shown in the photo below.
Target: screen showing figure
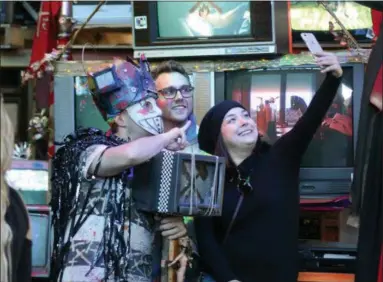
{"x": 39, "y": 227}
{"x": 203, "y": 19}
{"x": 276, "y": 111}
{"x": 86, "y": 112}
{"x": 311, "y": 17}
{"x": 202, "y": 193}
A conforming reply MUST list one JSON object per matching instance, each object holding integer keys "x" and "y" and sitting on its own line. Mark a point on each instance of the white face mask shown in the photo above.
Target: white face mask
{"x": 147, "y": 115}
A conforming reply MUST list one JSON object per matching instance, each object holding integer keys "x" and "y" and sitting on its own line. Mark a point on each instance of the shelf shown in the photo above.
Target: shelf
{"x": 15, "y": 58}
{"x": 109, "y": 26}
{"x": 102, "y": 47}
{"x": 331, "y": 46}
{"x": 325, "y": 277}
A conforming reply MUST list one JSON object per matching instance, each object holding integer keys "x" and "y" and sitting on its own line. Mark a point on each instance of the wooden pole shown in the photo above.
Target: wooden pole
{"x": 170, "y": 250}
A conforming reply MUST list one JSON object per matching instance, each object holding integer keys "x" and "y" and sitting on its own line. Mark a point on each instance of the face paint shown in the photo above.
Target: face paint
{"x": 147, "y": 115}
{"x": 162, "y": 102}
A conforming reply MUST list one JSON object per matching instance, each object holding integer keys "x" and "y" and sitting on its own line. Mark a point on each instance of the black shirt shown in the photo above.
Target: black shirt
{"x": 17, "y": 218}
{"x": 263, "y": 242}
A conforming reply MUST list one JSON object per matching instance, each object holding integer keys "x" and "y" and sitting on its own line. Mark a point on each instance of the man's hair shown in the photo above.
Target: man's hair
{"x": 168, "y": 67}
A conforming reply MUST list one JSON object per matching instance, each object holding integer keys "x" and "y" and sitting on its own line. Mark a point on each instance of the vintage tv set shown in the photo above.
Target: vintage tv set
{"x": 310, "y": 16}
{"x": 278, "y": 96}
{"x": 112, "y": 13}
{"x": 210, "y": 28}
{"x": 41, "y": 221}
{"x": 180, "y": 184}
{"x": 31, "y": 179}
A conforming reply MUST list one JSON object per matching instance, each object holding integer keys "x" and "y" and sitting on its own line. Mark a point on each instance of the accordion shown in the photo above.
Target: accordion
{"x": 177, "y": 183}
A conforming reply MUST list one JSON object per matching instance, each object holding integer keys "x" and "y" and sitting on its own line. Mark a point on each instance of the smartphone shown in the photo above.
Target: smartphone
{"x": 311, "y": 42}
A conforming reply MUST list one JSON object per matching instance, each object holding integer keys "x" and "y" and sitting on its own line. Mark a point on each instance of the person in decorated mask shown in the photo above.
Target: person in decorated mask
{"x": 99, "y": 235}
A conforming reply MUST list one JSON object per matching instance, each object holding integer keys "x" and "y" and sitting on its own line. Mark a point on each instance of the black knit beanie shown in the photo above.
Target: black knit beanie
{"x": 210, "y": 127}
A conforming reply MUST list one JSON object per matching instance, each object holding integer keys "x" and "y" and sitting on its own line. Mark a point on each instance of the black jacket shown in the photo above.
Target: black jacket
{"x": 263, "y": 243}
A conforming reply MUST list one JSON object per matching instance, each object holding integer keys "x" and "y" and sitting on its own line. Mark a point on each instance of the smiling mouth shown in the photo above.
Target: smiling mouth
{"x": 246, "y": 132}
{"x": 179, "y": 107}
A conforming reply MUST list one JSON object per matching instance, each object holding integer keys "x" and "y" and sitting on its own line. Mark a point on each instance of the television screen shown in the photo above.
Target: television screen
{"x": 203, "y": 184}
{"x": 40, "y": 242}
{"x": 28, "y": 179}
{"x": 311, "y": 17}
{"x": 203, "y": 19}
{"x": 86, "y": 112}
{"x": 278, "y": 99}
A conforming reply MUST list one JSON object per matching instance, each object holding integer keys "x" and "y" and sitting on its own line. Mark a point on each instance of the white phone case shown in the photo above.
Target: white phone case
{"x": 311, "y": 42}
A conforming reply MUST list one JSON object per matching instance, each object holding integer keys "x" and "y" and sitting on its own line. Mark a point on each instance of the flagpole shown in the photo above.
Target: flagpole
{"x": 66, "y": 23}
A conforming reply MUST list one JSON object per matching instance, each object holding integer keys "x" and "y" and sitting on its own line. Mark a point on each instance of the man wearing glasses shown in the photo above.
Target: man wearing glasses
{"x": 175, "y": 99}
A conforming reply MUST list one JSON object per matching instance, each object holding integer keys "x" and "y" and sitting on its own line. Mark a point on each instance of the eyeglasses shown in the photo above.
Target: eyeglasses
{"x": 171, "y": 92}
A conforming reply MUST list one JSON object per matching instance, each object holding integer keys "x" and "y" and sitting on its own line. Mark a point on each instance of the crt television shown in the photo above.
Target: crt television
{"x": 309, "y": 16}
{"x": 31, "y": 179}
{"x": 41, "y": 220}
{"x": 209, "y": 28}
{"x": 277, "y": 98}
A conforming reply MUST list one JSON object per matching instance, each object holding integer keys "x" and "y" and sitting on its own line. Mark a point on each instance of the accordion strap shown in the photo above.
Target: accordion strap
{"x": 192, "y": 180}
{"x": 239, "y": 204}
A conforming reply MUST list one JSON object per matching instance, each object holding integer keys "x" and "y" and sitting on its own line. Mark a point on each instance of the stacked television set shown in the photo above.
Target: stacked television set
{"x": 31, "y": 180}
{"x": 310, "y": 16}
{"x": 210, "y": 28}
{"x": 277, "y": 98}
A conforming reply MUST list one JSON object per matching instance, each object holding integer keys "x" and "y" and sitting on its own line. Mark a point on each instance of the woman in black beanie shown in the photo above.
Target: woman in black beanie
{"x": 256, "y": 238}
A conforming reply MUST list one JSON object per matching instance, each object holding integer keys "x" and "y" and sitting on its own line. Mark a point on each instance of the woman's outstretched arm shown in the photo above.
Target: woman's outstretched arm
{"x": 295, "y": 142}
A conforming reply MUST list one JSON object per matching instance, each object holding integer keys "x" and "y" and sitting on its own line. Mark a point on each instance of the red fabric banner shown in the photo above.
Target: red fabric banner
{"x": 47, "y": 28}
{"x": 44, "y": 41}
{"x": 376, "y": 97}
{"x": 377, "y": 17}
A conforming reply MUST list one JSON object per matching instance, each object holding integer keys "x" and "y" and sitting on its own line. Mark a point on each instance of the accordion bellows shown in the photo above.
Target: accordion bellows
{"x": 179, "y": 183}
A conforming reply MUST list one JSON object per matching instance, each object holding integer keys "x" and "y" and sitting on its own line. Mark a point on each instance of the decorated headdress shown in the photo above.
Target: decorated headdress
{"x": 120, "y": 85}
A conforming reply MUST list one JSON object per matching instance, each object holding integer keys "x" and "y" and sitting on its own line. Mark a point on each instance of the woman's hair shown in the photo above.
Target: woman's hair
{"x": 169, "y": 67}
{"x": 7, "y": 139}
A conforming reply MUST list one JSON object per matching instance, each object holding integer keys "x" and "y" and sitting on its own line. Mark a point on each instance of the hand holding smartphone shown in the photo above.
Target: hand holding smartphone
{"x": 311, "y": 43}
{"x": 326, "y": 61}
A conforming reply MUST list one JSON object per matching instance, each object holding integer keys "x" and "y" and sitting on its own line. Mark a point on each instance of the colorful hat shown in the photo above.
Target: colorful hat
{"x": 120, "y": 85}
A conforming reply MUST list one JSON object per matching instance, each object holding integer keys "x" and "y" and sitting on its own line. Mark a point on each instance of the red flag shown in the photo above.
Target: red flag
{"x": 377, "y": 17}
{"x": 376, "y": 97}
{"x": 44, "y": 41}
{"x": 47, "y": 29}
